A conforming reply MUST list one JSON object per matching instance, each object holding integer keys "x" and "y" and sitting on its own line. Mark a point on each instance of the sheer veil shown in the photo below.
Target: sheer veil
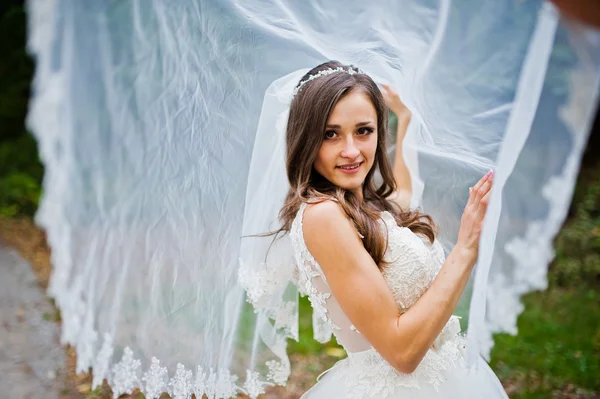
{"x": 161, "y": 124}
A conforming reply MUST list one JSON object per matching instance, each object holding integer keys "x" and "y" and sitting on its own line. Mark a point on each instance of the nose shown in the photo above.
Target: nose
{"x": 350, "y": 151}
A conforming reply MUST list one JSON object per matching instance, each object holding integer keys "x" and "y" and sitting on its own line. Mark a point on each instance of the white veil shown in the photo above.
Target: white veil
{"x": 161, "y": 151}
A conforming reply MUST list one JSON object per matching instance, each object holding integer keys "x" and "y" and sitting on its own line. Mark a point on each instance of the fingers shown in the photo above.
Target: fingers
{"x": 479, "y": 190}
{"x": 484, "y": 203}
{"x": 483, "y": 191}
{"x": 386, "y": 95}
{"x": 481, "y": 181}
{"x": 388, "y": 92}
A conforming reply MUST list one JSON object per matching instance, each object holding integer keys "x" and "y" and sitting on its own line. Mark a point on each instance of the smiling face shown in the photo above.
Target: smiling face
{"x": 347, "y": 153}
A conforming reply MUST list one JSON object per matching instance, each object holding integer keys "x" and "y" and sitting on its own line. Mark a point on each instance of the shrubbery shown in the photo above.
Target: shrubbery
{"x": 20, "y": 177}
{"x": 578, "y": 243}
{"x": 20, "y": 169}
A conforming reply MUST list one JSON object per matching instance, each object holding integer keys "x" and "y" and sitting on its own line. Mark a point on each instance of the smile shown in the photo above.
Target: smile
{"x": 350, "y": 168}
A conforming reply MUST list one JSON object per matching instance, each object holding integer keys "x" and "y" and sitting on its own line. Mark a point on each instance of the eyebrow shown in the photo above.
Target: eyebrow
{"x": 359, "y": 124}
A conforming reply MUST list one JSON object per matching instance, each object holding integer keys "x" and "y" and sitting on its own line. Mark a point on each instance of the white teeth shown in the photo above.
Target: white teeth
{"x": 350, "y": 167}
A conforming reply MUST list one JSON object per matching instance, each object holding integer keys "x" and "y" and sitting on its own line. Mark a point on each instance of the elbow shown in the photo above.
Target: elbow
{"x": 406, "y": 364}
{"x": 406, "y": 368}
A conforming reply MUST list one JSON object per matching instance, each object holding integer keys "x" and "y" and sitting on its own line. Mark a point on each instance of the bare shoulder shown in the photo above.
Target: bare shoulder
{"x": 326, "y": 226}
{"x": 327, "y": 211}
{"x": 324, "y": 215}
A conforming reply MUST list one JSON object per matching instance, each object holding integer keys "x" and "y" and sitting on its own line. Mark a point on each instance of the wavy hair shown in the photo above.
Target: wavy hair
{"x": 309, "y": 111}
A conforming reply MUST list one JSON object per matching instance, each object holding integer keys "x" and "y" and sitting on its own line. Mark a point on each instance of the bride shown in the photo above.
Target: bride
{"x": 373, "y": 270}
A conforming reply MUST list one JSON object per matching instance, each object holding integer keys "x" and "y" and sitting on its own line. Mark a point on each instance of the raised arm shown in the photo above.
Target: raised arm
{"x": 401, "y": 174}
{"x": 360, "y": 289}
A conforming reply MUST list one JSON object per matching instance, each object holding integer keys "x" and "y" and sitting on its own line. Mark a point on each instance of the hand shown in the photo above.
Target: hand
{"x": 472, "y": 218}
{"x": 392, "y": 100}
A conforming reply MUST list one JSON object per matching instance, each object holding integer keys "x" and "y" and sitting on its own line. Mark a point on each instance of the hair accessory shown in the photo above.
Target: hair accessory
{"x": 325, "y": 72}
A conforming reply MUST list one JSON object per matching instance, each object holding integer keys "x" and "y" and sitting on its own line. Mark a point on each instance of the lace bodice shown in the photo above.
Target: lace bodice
{"x": 413, "y": 264}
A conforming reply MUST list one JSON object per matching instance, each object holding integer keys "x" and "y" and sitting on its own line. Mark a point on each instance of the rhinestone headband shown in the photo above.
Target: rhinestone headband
{"x": 325, "y": 72}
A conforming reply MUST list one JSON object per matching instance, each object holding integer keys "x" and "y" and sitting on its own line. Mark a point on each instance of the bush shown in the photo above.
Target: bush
{"x": 19, "y": 195}
{"x": 20, "y": 177}
{"x": 20, "y": 169}
{"x": 578, "y": 243}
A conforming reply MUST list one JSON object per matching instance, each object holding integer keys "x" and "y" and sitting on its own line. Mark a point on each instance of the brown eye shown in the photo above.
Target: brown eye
{"x": 365, "y": 131}
{"x": 329, "y": 134}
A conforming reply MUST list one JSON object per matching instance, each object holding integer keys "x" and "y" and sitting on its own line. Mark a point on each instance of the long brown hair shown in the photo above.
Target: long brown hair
{"x": 309, "y": 112}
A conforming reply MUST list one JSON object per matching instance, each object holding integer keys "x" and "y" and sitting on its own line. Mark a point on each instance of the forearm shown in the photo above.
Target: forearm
{"x": 401, "y": 173}
{"x": 422, "y": 323}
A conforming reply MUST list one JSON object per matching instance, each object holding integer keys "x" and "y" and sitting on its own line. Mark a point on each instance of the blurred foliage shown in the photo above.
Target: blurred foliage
{"x": 16, "y": 69}
{"x": 578, "y": 244}
{"x": 19, "y": 195}
{"x": 306, "y": 345}
{"x": 20, "y": 169}
{"x": 20, "y": 176}
{"x": 557, "y": 349}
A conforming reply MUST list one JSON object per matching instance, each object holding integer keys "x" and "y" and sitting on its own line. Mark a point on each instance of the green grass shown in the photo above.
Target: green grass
{"x": 558, "y": 344}
{"x": 306, "y": 344}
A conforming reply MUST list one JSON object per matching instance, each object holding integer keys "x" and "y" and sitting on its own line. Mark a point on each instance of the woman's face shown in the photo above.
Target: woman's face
{"x": 348, "y": 150}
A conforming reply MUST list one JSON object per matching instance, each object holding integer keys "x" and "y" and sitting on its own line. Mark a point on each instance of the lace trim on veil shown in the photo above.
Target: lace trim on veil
{"x": 127, "y": 373}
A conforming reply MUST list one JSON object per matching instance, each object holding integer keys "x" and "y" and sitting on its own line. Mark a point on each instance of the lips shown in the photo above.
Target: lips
{"x": 351, "y": 167}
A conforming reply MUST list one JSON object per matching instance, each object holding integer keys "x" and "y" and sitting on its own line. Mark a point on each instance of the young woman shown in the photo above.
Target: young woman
{"x": 372, "y": 268}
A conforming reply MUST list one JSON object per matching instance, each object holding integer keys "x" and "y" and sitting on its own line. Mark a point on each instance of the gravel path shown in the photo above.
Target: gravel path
{"x": 32, "y": 362}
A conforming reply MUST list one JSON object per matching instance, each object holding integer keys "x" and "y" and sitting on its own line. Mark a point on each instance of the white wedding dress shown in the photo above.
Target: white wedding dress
{"x": 413, "y": 265}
